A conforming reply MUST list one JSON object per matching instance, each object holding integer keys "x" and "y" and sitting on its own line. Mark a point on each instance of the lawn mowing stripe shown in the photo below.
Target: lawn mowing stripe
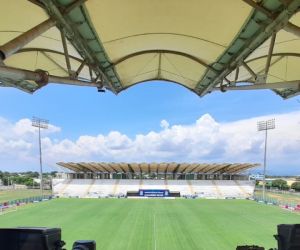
{"x": 173, "y": 224}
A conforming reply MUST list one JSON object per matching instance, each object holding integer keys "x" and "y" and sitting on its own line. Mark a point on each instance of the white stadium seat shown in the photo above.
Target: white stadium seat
{"x": 95, "y": 188}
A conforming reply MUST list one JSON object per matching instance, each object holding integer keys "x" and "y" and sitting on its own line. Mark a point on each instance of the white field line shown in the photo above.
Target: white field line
{"x": 13, "y": 209}
{"x": 154, "y": 231}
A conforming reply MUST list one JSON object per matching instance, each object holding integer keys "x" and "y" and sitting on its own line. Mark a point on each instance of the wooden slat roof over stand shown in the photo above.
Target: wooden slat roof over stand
{"x": 181, "y": 168}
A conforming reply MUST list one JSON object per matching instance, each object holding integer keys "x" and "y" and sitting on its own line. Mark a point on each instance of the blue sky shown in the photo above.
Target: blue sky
{"x": 82, "y": 111}
{"x": 138, "y": 109}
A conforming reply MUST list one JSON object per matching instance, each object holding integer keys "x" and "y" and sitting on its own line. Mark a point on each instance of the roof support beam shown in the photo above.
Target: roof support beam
{"x": 262, "y": 33}
{"x": 24, "y": 50}
{"x": 73, "y": 5}
{"x": 130, "y": 168}
{"x": 100, "y": 165}
{"x": 65, "y": 46}
{"x": 279, "y": 58}
{"x": 200, "y": 168}
{"x": 54, "y": 62}
{"x": 93, "y": 168}
{"x": 227, "y": 169}
{"x": 84, "y": 167}
{"x": 120, "y": 166}
{"x": 292, "y": 28}
{"x": 77, "y": 41}
{"x": 19, "y": 42}
{"x": 257, "y": 86}
{"x": 260, "y": 8}
{"x": 246, "y": 66}
{"x": 272, "y": 43}
{"x": 141, "y": 170}
{"x": 192, "y": 169}
{"x": 37, "y": 2}
{"x": 289, "y": 26}
{"x": 80, "y": 68}
{"x": 40, "y": 77}
{"x": 237, "y": 72}
{"x": 159, "y": 67}
{"x": 160, "y": 52}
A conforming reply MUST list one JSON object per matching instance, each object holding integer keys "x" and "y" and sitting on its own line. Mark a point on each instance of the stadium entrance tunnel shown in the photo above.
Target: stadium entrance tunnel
{"x": 77, "y": 42}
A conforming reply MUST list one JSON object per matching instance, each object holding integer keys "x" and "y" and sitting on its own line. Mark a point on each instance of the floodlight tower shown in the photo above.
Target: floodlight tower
{"x": 40, "y": 123}
{"x": 265, "y": 126}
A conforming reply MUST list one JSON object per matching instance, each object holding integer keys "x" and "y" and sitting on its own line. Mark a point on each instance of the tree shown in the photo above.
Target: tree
{"x": 280, "y": 184}
{"x": 296, "y": 185}
{"x": 268, "y": 185}
{"x": 53, "y": 173}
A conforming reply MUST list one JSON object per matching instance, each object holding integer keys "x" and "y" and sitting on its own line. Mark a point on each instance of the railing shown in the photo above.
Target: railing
{"x": 27, "y": 200}
{"x": 275, "y": 201}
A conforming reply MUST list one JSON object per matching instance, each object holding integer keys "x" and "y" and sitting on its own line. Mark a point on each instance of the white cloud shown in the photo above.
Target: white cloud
{"x": 18, "y": 143}
{"x": 164, "y": 124}
{"x": 205, "y": 140}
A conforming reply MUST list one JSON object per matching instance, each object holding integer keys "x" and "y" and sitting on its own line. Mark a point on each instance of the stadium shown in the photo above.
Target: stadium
{"x": 154, "y": 206}
{"x": 189, "y": 200}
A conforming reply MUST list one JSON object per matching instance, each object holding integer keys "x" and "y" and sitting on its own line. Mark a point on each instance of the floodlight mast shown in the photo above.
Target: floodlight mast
{"x": 40, "y": 123}
{"x": 265, "y": 126}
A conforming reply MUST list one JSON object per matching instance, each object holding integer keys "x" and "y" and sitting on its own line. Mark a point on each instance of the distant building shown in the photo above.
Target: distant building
{"x": 19, "y": 186}
{"x": 257, "y": 177}
{"x": 37, "y": 180}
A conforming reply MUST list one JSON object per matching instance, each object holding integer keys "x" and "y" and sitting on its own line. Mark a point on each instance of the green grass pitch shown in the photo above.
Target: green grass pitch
{"x": 156, "y": 224}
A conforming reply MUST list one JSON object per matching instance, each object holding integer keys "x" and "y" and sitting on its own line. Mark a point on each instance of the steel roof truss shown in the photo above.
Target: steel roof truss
{"x": 210, "y": 80}
{"x": 75, "y": 38}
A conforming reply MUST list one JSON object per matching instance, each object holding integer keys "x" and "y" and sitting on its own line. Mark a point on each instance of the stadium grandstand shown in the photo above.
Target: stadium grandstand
{"x": 96, "y": 180}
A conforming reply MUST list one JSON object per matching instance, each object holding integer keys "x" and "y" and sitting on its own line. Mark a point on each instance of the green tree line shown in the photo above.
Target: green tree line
{"x": 22, "y": 178}
{"x": 282, "y": 185}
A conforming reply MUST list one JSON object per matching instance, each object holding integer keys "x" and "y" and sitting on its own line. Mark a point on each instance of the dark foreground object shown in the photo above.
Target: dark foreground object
{"x": 31, "y": 238}
{"x": 40, "y": 238}
{"x": 84, "y": 245}
{"x": 288, "y": 237}
{"x": 250, "y": 248}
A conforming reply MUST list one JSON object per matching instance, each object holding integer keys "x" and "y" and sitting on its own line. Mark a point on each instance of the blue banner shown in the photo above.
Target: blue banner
{"x": 154, "y": 192}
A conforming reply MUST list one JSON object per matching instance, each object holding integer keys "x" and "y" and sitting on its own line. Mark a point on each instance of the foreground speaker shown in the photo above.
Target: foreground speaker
{"x": 288, "y": 237}
{"x": 84, "y": 245}
{"x": 30, "y": 238}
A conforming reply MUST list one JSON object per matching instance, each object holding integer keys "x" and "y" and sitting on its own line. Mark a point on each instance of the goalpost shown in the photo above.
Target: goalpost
{"x": 7, "y": 209}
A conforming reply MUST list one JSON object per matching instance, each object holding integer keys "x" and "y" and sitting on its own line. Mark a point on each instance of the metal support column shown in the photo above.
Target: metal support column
{"x": 265, "y": 126}
{"x": 268, "y": 63}
{"x": 257, "y": 86}
{"x": 245, "y": 65}
{"x": 40, "y": 77}
{"x": 292, "y": 28}
{"x": 40, "y": 123}
{"x": 65, "y": 46}
{"x": 19, "y": 42}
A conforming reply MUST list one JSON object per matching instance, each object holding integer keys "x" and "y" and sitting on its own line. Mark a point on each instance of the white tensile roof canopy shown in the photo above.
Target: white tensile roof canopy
{"x": 202, "y": 45}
